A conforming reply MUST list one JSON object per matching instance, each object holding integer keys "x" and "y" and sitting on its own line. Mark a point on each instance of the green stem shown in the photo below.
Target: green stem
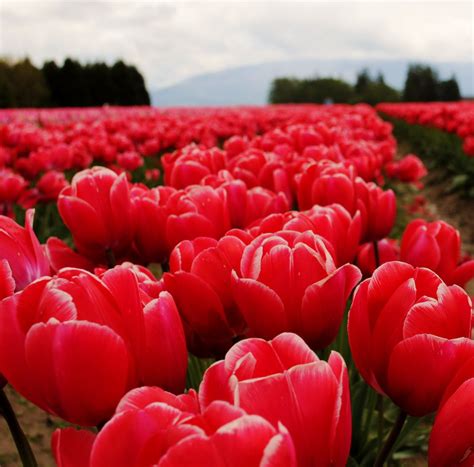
{"x": 110, "y": 258}
{"x": 380, "y": 425}
{"x": 21, "y": 442}
{"x": 376, "y": 254}
{"x": 390, "y": 441}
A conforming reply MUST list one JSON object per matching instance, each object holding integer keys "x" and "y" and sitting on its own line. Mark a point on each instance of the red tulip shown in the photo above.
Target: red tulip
{"x": 23, "y": 259}
{"x": 165, "y": 430}
{"x": 151, "y": 216}
{"x": 97, "y": 210}
{"x": 50, "y": 185}
{"x": 246, "y": 206}
{"x": 191, "y": 164}
{"x": 130, "y": 160}
{"x": 284, "y": 382}
{"x": 197, "y": 211}
{"x": 378, "y": 209}
{"x": 12, "y": 187}
{"x": 340, "y": 228}
{"x": 388, "y": 250}
{"x": 332, "y": 222}
{"x": 289, "y": 282}
{"x": 200, "y": 282}
{"x": 452, "y": 436}
{"x": 325, "y": 183}
{"x": 59, "y": 336}
{"x": 408, "y": 169}
{"x": 409, "y": 333}
{"x": 437, "y": 246}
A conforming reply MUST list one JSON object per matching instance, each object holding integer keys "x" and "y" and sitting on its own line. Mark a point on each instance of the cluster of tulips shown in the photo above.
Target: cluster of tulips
{"x": 453, "y": 117}
{"x": 219, "y": 319}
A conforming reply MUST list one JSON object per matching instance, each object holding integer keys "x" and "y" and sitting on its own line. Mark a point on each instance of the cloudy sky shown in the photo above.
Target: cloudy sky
{"x": 171, "y": 41}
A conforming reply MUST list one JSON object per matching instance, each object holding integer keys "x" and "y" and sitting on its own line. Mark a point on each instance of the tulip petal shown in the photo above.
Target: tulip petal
{"x": 260, "y": 306}
{"x": 7, "y": 283}
{"x": 452, "y": 436}
{"x": 80, "y": 386}
{"x": 319, "y": 322}
{"x": 71, "y": 447}
{"x": 416, "y": 363}
{"x": 304, "y": 399}
{"x": 165, "y": 358}
{"x": 139, "y": 398}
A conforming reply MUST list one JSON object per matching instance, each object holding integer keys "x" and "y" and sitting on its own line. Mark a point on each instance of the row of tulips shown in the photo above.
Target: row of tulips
{"x": 274, "y": 145}
{"x": 251, "y": 282}
{"x": 455, "y": 118}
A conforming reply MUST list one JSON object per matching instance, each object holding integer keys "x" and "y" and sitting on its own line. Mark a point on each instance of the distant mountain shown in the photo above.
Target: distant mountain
{"x": 251, "y": 84}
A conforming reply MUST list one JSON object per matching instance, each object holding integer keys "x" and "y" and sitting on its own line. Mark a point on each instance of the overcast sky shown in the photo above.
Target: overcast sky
{"x": 171, "y": 41}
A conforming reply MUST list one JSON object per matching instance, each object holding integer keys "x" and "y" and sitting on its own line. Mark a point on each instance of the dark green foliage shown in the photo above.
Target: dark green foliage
{"x": 449, "y": 90}
{"x": 422, "y": 85}
{"x": 70, "y": 85}
{"x": 22, "y": 85}
{"x": 320, "y": 90}
{"x": 438, "y": 149}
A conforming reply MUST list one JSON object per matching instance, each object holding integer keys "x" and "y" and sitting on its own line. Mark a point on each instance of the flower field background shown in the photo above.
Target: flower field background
{"x": 237, "y": 286}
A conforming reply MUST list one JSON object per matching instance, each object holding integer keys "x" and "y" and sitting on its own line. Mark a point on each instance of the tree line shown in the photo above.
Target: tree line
{"x": 71, "y": 84}
{"x": 422, "y": 84}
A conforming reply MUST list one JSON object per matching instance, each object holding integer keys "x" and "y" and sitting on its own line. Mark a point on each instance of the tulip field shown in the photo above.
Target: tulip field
{"x": 443, "y": 131}
{"x": 242, "y": 286}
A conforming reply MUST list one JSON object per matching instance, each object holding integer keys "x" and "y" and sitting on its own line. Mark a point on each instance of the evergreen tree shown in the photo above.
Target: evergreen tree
{"x": 449, "y": 90}
{"x": 421, "y": 84}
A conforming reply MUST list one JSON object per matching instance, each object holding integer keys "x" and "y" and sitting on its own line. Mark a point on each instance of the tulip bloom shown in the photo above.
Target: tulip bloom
{"x": 23, "y": 259}
{"x": 59, "y": 336}
{"x": 97, "y": 209}
{"x": 340, "y": 228}
{"x": 246, "y": 206}
{"x": 50, "y": 185}
{"x": 199, "y": 280}
{"x": 166, "y": 431}
{"x": 408, "y": 169}
{"x": 437, "y": 246}
{"x": 409, "y": 333}
{"x": 284, "y": 382}
{"x": 11, "y": 188}
{"x": 191, "y": 164}
{"x": 325, "y": 184}
{"x": 289, "y": 282}
{"x": 333, "y": 223}
{"x": 197, "y": 211}
{"x": 378, "y": 210}
{"x": 452, "y": 436}
{"x": 151, "y": 216}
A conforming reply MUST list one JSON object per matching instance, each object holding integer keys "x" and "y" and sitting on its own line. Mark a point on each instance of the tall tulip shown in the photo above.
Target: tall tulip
{"x": 197, "y": 211}
{"x": 200, "y": 282}
{"x": 289, "y": 282}
{"x": 150, "y": 217}
{"x": 284, "y": 382}
{"x": 437, "y": 246}
{"x": 97, "y": 209}
{"x": 59, "y": 336}
{"x": 23, "y": 259}
{"x": 409, "y": 333}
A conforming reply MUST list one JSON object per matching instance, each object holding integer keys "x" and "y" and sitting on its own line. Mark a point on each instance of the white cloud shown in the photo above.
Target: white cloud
{"x": 172, "y": 41}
